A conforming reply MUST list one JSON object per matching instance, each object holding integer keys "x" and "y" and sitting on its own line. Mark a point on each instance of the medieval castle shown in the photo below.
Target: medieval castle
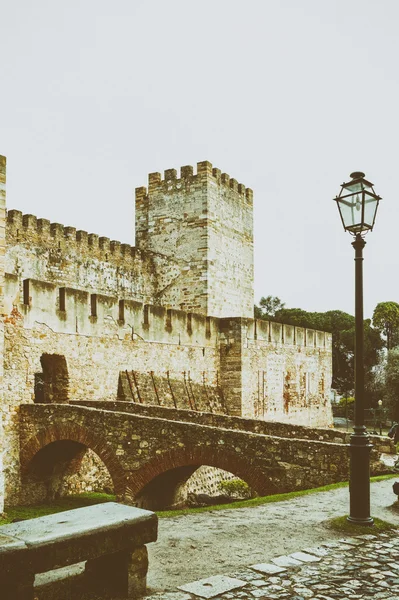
{"x": 168, "y": 322}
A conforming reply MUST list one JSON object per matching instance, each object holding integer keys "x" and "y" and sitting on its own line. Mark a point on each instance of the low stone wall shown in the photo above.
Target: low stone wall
{"x": 381, "y": 444}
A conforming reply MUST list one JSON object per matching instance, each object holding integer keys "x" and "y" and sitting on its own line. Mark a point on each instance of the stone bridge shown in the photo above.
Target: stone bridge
{"x": 151, "y": 449}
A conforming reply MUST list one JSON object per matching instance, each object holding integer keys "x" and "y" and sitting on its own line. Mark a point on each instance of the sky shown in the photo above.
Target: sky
{"x": 288, "y": 97}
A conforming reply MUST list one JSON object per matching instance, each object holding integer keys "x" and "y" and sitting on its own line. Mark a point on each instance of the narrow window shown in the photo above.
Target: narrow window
{"x": 62, "y": 299}
{"x": 146, "y": 314}
{"x": 93, "y": 304}
{"x": 122, "y": 311}
{"x": 26, "y": 291}
{"x": 189, "y": 323}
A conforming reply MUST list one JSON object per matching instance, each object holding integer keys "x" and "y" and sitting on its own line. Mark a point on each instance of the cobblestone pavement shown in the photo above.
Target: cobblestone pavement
{"x": 364, "y": 566}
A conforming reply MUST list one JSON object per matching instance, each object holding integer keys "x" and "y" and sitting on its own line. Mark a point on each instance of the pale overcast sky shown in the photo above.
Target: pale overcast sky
{"x": 286, "y": 96}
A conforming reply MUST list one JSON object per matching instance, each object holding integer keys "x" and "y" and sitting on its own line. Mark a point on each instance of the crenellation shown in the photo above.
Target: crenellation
{"x": 43, "y": 229}
{"x": 126, "y": 250}
{"x": 14, "y": 223}
{"x": 276, "y": 332}
{"x": 241, "y": 188}
{"x": 82, "y": 238}
{"x": 170, "y": 175}
{"x": 154, "y": 179}
{"x": 249, "y": 195}
{"x": 29, "y": 222}
{"x": 310, "y": 338}
{"x": 186, "y": 172}
{"x": 225, "y": 179}
{"x": 70, "y": 234}
{"x": 233, "y": 183}
{"x": 300, "y": 336}
{"x": 57, "y": 231}
{"x": 140, "y": 193}
{"x": 204, "y": 168}
{"x": 93, "y": 239}
{"x": 104, "y": 244}
{"x": 115, "y": 247}
{"x": 217, "y": 174}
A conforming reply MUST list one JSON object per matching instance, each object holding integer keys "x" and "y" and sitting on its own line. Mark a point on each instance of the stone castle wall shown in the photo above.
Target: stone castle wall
{"x": 87, "y": 318}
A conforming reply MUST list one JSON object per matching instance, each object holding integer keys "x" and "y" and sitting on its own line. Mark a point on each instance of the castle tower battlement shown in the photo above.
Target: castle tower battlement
{"x": 204, "y": 221}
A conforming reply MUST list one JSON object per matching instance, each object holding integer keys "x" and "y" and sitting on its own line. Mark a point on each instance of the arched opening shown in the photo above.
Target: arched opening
{"x": 191, "y": 486}
{"x": 51, "y": 385}
{"x": 63, "y": 468}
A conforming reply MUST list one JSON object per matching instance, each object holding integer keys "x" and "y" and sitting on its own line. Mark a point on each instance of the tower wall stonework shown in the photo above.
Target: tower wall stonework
{"x": 2, "y": 261}
{"x": 205, "y": 222}
{"x": 173, "y": 315}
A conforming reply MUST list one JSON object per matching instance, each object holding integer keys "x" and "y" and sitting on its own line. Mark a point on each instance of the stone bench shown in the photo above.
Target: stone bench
{"x": 111, "y": 537}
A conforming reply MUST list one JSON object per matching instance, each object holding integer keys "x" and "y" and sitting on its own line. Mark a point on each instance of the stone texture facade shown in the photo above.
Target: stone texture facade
{"x": 2, "y": 270}
{"x": 203, "y": 221}
{"x": 168, "y": 322}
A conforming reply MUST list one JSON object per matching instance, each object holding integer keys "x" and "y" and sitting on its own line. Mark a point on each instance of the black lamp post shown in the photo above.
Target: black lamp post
{"x": 357, "y": 203}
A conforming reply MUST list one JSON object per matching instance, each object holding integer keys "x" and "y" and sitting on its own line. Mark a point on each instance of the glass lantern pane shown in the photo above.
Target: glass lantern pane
{"x": 351, "y": 211}
{"x": 370, "y": 209}
{"x": 353, "y": 187}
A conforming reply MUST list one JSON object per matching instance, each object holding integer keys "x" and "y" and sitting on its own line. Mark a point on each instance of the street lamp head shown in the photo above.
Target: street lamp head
{"x": 380, "y": 403}
{"x": 357, "y": 204}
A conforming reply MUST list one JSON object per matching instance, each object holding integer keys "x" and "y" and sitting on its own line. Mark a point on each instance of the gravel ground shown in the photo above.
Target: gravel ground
{"x": 196, "y": 546}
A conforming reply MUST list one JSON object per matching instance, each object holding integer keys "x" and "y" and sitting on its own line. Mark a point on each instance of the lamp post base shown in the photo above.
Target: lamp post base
{"x": 359, "y": 484}
{"x": 367, "y": 522}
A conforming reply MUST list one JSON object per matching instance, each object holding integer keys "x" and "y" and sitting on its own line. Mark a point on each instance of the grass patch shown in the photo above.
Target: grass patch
{"x": 66, "y": 503}
{"x": 342, "y": 525}
{"x": 265, "y": 499}
{"x": 87, "y": 499}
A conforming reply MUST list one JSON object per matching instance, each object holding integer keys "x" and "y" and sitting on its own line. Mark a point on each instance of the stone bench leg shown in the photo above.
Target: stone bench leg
{"x": 18, "y": 588}
{"x": 122, "y": 574}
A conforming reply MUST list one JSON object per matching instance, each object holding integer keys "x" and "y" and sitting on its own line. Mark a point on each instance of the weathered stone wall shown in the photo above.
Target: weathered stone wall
{"x": 205, "y": 480}
{"x": 93, "y": 365}
{"x": 175, "y": 357}
{"x": 89, "y": 475}
{"x": 44, "y": 251}
{"x": 276, "y": 372}
{"x": 165, "y": 390}
{"x": 204, "y": 221}
{"x": 90, "y": 318}
{"x": 2, "y": 268}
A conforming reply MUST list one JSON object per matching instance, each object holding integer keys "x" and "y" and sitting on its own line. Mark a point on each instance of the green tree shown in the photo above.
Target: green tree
{"x": 391, "y": 395}
{"x": 267, "y": 307}
{"x": 386, "y": 320}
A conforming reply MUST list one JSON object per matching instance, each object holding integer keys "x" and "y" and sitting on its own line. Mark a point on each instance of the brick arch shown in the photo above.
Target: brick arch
{"x": 183, "y": 457}
{"x": 75, "y": 433}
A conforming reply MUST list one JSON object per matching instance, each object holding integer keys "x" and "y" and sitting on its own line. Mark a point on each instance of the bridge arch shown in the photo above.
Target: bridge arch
{"x": 183, "y": 458}
{"x": 77, "y": 437}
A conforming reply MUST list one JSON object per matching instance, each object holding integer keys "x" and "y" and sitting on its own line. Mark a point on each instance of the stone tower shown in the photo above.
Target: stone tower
{"x": 204, "y": 222}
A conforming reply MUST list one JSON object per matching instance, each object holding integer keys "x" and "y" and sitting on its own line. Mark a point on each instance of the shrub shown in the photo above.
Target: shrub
{"x": 236, "y": 487}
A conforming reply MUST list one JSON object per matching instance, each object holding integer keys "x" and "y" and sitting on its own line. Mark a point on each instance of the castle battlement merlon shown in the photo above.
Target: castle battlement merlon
{"x": 27, "y": 228}
{"x": 205, "y": 170}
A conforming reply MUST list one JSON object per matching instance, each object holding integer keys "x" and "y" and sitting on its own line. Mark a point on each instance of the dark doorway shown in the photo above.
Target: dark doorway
{"x": 52, "y": 385}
